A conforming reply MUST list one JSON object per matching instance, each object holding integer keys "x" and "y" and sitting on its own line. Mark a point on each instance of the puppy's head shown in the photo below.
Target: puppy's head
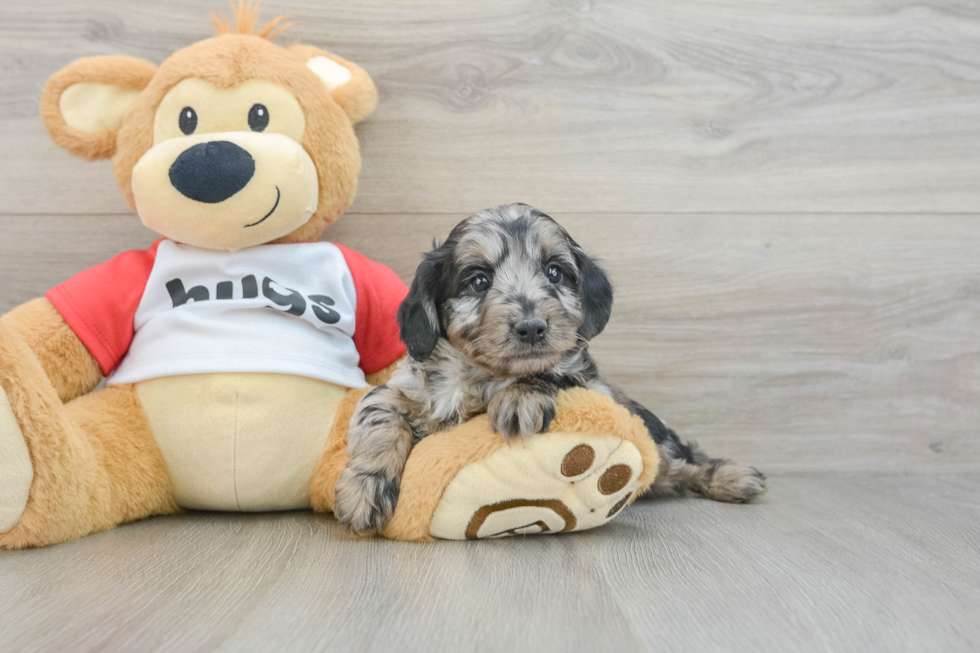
{"x": 510, "y": 289}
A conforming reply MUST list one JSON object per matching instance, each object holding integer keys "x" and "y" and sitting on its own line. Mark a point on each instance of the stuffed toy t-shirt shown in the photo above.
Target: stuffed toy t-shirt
{"x": 235, "y": 349}
{"x": 124, "y": 312}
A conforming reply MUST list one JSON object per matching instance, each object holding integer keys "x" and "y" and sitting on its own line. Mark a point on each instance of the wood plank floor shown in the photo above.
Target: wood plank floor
{"x": 831, "y": 563}
{"x": 786, "y": 197}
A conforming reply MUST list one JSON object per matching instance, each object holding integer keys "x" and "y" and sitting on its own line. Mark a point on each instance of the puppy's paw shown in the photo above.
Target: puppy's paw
{"x": 365, "y": 501}
{"x": 735, "y": 483}
{"x": 518, "y": 410}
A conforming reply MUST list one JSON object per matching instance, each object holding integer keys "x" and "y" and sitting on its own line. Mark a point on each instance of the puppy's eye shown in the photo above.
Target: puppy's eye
{"x": 480, "y": 283}
{"x": 187, "y": 121}
{"x": 258, "y": 117}
{"x": 554, "y": 274}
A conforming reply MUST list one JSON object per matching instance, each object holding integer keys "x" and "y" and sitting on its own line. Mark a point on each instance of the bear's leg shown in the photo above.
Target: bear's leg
{"x": 16, "y": 471}
{"x": 468, "y": 483}
{"x": 334, "y": 457}
{"x": 93, "y": 463}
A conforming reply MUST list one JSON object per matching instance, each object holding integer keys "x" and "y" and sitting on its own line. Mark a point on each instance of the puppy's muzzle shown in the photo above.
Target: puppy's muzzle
{"x": 212, "y": 172}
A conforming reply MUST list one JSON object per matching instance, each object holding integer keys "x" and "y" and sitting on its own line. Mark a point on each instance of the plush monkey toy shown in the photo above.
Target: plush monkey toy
{"x": 236, "y": 347}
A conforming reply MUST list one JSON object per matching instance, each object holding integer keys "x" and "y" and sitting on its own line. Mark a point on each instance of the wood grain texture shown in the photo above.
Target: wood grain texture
{"x": 622, "y": 105}
{"x": 831, "y": 563}
{"x": 816, "y": 343}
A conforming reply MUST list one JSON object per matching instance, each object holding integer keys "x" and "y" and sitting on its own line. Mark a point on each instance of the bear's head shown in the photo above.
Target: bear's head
{"x": 229, "y": 143}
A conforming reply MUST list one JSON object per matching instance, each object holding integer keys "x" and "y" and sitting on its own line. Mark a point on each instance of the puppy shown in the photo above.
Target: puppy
{"x": 499, "y": 319}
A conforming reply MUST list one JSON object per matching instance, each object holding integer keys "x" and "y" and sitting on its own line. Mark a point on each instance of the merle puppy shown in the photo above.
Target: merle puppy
{"x": 499, "y": 319}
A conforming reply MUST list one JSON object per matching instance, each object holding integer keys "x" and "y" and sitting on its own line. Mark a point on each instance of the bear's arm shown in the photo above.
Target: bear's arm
{"x": 95, "y": 308}
{"x": 379, "y": 294}
{"x": 72, "y": 370}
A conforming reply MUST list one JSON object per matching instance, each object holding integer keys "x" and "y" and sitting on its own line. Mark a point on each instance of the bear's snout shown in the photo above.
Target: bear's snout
{"x": 212, "y": 172}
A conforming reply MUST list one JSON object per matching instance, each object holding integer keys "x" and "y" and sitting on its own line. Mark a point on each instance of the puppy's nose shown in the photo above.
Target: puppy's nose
{"x": 531, "y": 331}
{"x": 212, "y": 172}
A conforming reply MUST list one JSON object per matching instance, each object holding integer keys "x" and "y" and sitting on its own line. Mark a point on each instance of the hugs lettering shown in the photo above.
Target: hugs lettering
{"x": 283, "y": 299}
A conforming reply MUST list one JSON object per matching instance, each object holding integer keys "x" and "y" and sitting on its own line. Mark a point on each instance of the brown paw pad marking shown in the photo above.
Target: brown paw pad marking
{"x": 619, "y": 506}
{"x": 525, "y": 516}
{"x": 615, "y": 479}
{"x": 577, "y": 461}
{"x": 546, "y": 509}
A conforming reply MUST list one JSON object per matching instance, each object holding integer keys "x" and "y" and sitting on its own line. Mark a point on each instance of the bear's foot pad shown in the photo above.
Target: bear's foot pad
{"x": 551, "y": 483}
{"x": 16, "y": 470}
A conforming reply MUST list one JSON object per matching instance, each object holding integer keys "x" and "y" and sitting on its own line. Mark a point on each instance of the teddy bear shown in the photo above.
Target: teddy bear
{"x": 235, "y": 349}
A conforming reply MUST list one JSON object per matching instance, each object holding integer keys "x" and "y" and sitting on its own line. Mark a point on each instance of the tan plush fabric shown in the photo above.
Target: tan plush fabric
{"x": 221, "y": 109}
{"x": 521, "y": 489}
{"x": 121, "y": 73}
{"x": 18, "y": 473}
{"x": 358, "y": 97}
{"x": 95, "y": 463}
{"x": 68, "y": 365}
{"x": 228, "y": 61}
{"x": 432, "y": 465}
{"x": 451, "y": 476}
{"x": 89, "y": 109}
{"x": 92, "y": 108}
{"x": 224, "y": 62}
{"x": 240, "y": 441}
{"x": 285, "y": 179}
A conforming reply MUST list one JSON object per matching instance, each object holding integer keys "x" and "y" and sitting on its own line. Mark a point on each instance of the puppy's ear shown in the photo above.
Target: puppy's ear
{"x": 418, "y": 317}
{"x": 596, "y": 293}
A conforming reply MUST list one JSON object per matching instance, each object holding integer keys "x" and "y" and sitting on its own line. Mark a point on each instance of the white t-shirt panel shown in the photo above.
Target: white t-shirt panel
{"x": 286, "y": 309}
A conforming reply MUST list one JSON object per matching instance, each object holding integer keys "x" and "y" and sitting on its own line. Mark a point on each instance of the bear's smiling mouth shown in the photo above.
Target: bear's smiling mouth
{"x": 271, "y": 211}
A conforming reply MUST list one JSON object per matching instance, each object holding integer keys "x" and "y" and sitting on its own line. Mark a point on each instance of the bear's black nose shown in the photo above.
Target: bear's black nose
{"x": 212, "y": 172}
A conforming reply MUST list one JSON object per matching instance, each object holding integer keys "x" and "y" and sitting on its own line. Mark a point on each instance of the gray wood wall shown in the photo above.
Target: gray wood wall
{"x": 786, "y": 194}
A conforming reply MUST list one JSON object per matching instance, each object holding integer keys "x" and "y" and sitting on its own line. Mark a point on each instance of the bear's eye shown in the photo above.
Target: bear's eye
{"x": 554, "y": 274}
{"x": 480, "y": 283}
{"x": 188, "y": 120}
{"x": 258, "y": 117}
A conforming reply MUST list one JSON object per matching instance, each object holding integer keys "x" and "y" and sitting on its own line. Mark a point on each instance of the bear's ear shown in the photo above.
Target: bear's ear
{"x": 349, "y": 85}
{"x": 83, "y": 104}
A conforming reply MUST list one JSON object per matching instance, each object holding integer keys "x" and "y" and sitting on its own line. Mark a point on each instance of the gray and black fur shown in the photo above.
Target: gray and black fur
{"x": 498, "y": 320}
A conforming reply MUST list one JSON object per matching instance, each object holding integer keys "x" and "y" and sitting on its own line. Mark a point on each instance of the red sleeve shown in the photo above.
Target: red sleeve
{"x": 100, "y": 303}
{"x": 379, "y": 294}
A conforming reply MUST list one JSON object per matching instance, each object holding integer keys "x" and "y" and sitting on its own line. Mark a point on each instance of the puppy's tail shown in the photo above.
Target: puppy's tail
{"x": 684, "y": 467}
